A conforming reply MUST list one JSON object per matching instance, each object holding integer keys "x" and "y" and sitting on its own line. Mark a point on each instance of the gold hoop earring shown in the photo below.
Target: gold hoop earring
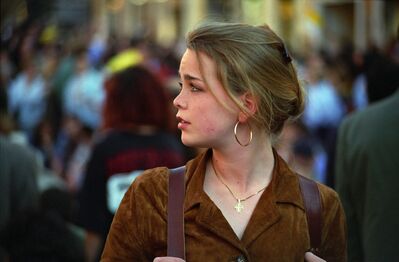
{"x": 250, "y": 135}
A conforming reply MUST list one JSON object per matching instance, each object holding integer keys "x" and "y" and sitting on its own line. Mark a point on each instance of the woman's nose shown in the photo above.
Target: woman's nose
{"x": 178, "y": 101}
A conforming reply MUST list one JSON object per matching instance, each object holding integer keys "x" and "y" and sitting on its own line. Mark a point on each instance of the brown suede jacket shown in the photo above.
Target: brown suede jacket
{"x": 277, "y": 230}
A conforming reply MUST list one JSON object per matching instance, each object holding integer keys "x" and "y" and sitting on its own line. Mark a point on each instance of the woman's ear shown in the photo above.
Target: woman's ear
{"x": 251, "y": 105}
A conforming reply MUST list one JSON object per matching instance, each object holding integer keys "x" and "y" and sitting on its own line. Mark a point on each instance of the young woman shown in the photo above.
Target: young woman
{"x": 242, "y": 203}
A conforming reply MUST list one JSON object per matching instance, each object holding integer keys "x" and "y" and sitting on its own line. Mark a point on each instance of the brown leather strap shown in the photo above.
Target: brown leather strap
{"x": 313, "y": 208}
{"x": 176, "y": 247}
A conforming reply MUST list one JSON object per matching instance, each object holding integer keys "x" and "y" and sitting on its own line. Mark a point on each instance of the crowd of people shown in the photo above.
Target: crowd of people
{"x": 87, "y": 119}
{"x": 81, "y": 118}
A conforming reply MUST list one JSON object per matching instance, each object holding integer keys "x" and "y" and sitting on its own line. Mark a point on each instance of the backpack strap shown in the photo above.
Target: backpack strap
{"x": 312, "y": 202}
{"x": 176, "y": 246}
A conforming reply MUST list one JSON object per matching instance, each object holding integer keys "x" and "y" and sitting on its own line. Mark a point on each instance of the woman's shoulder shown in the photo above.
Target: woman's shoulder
{"x": 334, "y": 231}
{"x": 331, "y": 203}
{"x": 154, "y": 178}
{"x": 328, "y": 195}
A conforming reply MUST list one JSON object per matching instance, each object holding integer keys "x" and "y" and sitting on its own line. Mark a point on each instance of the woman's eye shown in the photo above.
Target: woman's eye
{"x": 194, "y": 88}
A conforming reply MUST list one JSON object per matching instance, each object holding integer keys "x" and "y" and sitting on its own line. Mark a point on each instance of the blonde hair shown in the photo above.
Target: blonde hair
{"x": 252, "y": 59}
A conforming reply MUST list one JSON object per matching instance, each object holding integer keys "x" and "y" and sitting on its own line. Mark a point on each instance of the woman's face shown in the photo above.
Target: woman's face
{"x": 203, "y": 120}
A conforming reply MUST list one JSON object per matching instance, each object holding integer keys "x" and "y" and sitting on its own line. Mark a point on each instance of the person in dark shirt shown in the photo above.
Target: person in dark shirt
{"x": 136, "y": 135}
{"x": 367, "y": 164}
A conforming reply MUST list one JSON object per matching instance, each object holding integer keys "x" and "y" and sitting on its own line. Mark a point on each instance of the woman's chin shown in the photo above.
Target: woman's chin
{"x": 188, "y": 143}
{"x": 192, "y": 142}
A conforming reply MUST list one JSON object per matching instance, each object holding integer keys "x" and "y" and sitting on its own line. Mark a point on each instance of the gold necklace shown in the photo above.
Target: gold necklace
{"x": 238, "y": 206}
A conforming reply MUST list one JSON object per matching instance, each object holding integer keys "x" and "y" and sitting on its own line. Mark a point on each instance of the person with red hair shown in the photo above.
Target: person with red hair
{"x": 136, "y": 135}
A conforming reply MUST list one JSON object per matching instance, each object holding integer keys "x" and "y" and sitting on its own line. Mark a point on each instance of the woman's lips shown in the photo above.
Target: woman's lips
{"x": 182, "y": 124}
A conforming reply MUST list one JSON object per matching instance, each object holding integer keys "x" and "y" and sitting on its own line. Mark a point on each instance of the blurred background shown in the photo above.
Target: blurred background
{"x": 318, "y": 23}
{"x": 57, "y": 55}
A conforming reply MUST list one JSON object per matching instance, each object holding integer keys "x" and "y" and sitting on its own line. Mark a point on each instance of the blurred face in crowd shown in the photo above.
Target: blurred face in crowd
{"x": 81, "y": 63}
{"x": 315, "y": 68}
{"x": 206, "y": 113}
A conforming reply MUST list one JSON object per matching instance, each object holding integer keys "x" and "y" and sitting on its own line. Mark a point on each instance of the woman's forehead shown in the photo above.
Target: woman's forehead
{"x": 194, "y": 59}
{"x": 189, "y": 64}
{"x": 198, "y": 65}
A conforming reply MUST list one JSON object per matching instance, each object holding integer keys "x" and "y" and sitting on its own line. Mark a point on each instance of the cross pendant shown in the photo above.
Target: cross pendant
{"x": 239, "y": 207}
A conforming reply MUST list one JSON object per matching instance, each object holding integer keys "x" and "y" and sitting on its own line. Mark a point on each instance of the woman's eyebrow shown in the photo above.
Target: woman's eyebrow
{"x": 190, "y": 77}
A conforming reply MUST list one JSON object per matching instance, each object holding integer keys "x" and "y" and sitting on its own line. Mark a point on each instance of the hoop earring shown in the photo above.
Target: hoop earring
{"x": 250, "y": 135}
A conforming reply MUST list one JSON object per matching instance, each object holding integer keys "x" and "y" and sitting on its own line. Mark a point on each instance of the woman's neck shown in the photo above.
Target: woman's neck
{"x": 245, "y": 169}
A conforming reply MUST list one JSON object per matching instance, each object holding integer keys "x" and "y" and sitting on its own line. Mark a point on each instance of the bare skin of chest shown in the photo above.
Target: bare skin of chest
{"x": 238, "y": 221}
{"x": 237, "y": 216}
